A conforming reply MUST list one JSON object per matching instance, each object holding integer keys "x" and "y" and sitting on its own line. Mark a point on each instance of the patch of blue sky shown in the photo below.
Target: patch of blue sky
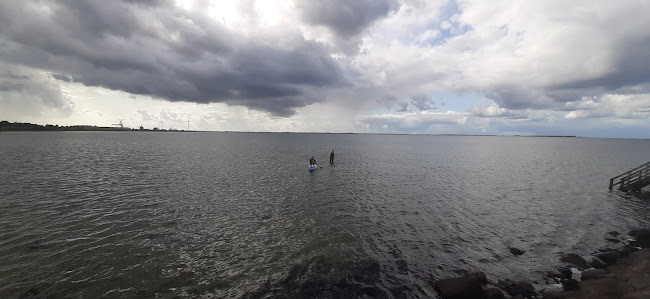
{"x": 439, "y": 101}
{"x": 450, "y": 101}
{"x": 445, "y": 27}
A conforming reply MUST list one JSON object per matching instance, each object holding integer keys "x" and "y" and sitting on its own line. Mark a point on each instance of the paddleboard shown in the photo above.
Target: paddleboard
{"x": 313, "y": 167}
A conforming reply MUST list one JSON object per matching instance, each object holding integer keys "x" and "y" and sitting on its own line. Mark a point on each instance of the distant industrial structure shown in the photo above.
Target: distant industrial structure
{"x": 121, "y": 125}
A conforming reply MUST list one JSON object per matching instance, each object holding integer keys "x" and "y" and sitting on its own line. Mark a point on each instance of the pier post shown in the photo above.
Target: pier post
{"x": 622, "y": 185}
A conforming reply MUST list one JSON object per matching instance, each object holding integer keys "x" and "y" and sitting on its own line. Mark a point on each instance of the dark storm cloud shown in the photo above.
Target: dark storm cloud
{"x": 62, "y": 77}
{"x": 154, "y": 48}
{"x": 345, "y": 17}
{"x": 30, "y": 90}
{"x": 10, "y": 75}
{"x": 11, "y": 86}
{"x": 514, "y": 97}
{"x": 629, "y": 74}
{"x": 631, "y": 68}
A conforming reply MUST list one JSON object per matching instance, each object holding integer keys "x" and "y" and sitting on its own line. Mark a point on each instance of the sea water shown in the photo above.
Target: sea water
{"x": 226, "y": 215}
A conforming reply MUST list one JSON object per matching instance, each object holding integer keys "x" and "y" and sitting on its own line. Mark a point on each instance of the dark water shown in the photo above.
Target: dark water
{"x": 121, "y": 215}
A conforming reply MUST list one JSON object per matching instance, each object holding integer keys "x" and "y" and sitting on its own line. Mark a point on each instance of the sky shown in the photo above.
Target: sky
{"x": 366, "y": 66}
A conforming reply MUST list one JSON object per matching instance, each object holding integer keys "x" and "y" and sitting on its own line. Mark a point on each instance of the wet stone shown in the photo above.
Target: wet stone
{"x": 516, "y": 251}
{"x": 570, "y": 284}
{"x": 575, "y": 260}
{"x": 478, "y": 276}
{"x": 504, "y": 284}
{"x": 597, "y": 263}
{"x": 566, "y": 272}
{"x": 458, "y": 288}
{"x": 593, "y": 274}
{"x": 30, "y": 294}
{"x": 321, "y": 277}
{"x": 494, "y": 293}
{"x": 555, "y": 274}
{"x": 642, "y": 237}
{"x": 522, "y": 288}
{"x": 553, "y": 294}
{"x": 627, "y": 249}
{"x": 608, "y": 257}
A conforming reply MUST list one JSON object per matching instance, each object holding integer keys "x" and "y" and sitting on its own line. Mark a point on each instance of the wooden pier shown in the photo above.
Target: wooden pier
{"x": 632, "y": 180}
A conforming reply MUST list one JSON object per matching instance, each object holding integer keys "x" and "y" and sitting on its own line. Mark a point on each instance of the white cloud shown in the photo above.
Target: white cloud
{"x": 32, "y": 94}
{"x": 428, "y": 35}
{"x": 485, "y": 109}
{"x": 540, "y": 65}
{"x": 629, "y": 106}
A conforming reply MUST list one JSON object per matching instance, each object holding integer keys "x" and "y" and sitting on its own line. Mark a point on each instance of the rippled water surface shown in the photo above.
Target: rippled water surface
{"x": 143, "y": 214}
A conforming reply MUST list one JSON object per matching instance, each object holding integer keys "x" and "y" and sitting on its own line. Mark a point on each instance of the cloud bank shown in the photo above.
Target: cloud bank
{"x": 538, "y": 65}
{"x": 156, "y": 48}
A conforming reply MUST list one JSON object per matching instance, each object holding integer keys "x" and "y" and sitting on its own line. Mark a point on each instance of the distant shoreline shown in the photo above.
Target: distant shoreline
{"x": 6, "y": 126}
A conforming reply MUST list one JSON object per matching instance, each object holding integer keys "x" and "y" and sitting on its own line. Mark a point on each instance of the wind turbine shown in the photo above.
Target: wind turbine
{"x": 188, "y": 123}
{"x": 161, "y": 124}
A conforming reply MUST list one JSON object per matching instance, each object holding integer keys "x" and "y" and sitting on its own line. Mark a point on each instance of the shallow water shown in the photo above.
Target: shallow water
{"x": 143, "y": 214}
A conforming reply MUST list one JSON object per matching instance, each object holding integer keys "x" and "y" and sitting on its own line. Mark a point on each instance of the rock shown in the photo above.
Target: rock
{"x": 575, "y": 260}
{"x": 322, "y": 277}
{"x": 608, "y": 257}
{"x": 635, "y": 232}
{"x": 516, "y": 251}
{"x": 606, "y": 249}
{"x": 597, "y": 263}
{"x": 458, "y": 288}
{"x": 479, "y": 276}
{"x": 593, "y": 274}
{"x": 553, "y": 294}
{"x": 143, "y": 293}
{"x": 614, "y": 233}
{"x": 570, "y": 284}
{"x": 522, "y": 288}
{"x": 627, "y": 249}
{"x": 504, "y": 284}
{"x": 30, "y": 294}
{"x": 642, "y": 237}
{"x": 613, "y": 240}
{"x": 494, "y": 293}
{"x": 566, "y": 272}
{"x": 554, "y": 275}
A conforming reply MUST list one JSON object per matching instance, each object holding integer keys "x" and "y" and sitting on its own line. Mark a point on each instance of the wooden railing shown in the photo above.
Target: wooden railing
{"x": 633, "y": 179}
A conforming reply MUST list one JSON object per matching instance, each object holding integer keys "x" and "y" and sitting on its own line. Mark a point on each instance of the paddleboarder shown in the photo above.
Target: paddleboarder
{"x": 332, "y": 157}
{"x": 312, "y": 161}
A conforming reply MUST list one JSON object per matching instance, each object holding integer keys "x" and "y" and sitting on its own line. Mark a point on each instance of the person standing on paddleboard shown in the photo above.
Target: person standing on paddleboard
{"x": 332, "y": 157}
{"x": 312, "y": 161}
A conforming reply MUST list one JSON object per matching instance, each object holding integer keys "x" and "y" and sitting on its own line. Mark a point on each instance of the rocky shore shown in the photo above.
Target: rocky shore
{"x": 620, "y": 272}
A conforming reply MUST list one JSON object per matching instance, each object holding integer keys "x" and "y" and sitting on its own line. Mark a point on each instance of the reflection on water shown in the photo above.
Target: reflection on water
{"x": 136, "y": 214}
